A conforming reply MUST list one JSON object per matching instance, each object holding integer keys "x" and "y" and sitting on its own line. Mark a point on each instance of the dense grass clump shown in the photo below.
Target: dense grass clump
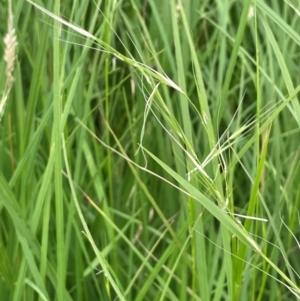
{"x": 150, "y": 150}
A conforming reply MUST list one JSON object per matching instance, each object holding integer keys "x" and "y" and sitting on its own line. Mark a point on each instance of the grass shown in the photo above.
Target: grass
{"x": 150, "y": 150}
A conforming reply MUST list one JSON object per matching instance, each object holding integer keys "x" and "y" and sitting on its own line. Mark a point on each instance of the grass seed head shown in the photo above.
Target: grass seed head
{"x": 10, "y": 42}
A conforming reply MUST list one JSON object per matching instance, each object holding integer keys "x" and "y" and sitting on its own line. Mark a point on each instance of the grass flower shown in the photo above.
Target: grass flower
{"x": 10, "y": 42}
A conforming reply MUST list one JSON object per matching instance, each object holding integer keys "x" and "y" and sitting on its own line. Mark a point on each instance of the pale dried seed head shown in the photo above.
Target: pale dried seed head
{"x": 10, "y": 42}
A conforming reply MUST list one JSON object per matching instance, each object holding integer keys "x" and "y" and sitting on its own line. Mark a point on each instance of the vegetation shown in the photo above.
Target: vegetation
{"x": 150, "y": 150}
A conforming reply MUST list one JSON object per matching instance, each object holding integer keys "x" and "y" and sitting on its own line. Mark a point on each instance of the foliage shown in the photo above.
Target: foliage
{"x": 150, "y": 151}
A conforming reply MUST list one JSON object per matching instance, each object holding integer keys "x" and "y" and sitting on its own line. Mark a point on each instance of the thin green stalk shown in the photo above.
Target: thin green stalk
{"x": 59, "y": 204}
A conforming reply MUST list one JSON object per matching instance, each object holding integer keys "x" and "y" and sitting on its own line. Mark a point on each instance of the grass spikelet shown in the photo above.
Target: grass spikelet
{"x": 10, "y": 42}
